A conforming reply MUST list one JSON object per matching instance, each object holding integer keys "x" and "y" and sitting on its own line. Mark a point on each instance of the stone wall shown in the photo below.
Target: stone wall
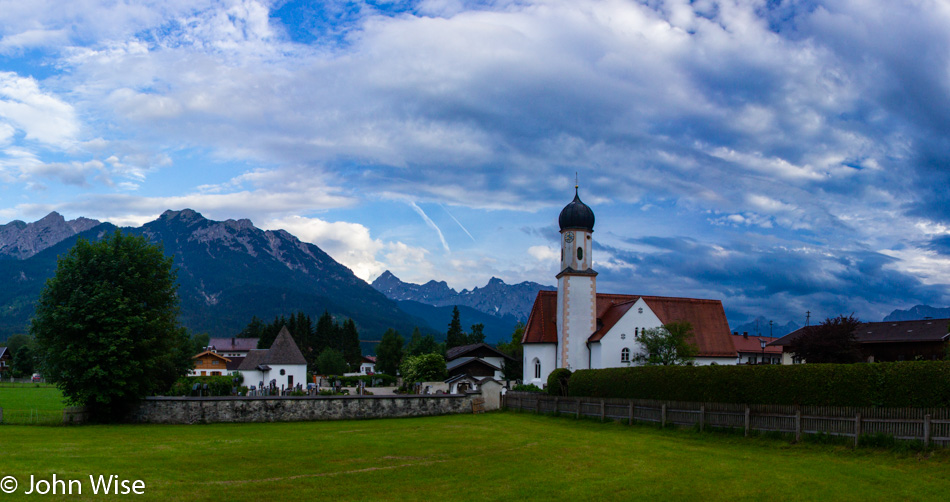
{"x": 190, "y": 410}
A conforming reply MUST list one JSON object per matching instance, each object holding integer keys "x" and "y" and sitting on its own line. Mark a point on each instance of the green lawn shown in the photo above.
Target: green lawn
{"x": 497, "y": 456}
{"x": 19, "y": 396}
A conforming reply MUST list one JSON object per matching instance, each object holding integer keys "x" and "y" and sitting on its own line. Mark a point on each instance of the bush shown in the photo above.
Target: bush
{"x": 527, "y": 388}
{"x": 217, "y": 385}
{"x": 924, "y": 384}
{"x": 558, "y": 382}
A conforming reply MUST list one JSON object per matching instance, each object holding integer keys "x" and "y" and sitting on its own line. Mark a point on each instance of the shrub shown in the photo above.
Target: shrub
{"x": 217, "y": 385}
{"x": 527, "y": 388}
{"x": 558, "y": 382}
{"x": 923, "y": 384}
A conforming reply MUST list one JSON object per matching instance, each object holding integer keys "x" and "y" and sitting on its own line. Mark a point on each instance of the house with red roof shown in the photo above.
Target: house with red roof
{"x": 577, "y": 328}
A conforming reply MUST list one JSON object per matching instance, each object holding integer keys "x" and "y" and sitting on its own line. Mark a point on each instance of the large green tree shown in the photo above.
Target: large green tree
{"x": 670, "y": 344}
{"x": 423, "y": 368}
{"x": 389, "y": 353}
{"x": 832, "y": 341}
{"x": 106, "y": 325}
{"x": 330, "y": 362}
{"x": 351, "y": 344}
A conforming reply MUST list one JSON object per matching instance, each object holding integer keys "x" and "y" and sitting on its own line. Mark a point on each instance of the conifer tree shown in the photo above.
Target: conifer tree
{"x": 351, "y": 344}
{"x": 454, "y": 337}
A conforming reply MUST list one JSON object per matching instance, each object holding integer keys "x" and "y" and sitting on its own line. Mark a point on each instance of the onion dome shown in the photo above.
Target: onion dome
{"x": 576, "y": 215}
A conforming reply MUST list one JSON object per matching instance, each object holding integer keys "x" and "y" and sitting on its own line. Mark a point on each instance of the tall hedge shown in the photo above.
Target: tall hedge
{"x": 923, "y": 384}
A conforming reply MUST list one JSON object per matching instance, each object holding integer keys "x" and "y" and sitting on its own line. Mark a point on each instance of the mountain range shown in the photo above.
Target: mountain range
{"x": 918, "y": 312}
{"x": 760, "y": 327}
{"x": 496, "y": 298}
{"x": 229, "y": 271}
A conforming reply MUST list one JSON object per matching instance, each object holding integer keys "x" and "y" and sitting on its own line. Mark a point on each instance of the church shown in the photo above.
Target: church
{"x": 577, "y": 328}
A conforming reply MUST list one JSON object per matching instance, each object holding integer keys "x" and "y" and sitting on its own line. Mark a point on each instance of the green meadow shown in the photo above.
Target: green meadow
{"x": 494, "y": 456}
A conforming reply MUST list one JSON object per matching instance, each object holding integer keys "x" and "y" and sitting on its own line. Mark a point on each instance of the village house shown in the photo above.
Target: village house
{"x": 368, "y": 365}
{"x": 5, "y": 361}
{"x": 756, "y": 349}
{"x": 476, "y": 360}
{"x": 577, "y": 328}
{"x": 209, "y": 363}
{"x": 924, "y": 339}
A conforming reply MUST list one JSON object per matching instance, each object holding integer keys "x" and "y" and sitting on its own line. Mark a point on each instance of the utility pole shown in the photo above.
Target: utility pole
{"x": 807, "y": 317}
{"x": 770, "y": 328}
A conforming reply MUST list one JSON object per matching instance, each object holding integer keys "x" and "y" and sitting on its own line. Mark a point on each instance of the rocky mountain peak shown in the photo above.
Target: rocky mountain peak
{"x": 21, "y": 240}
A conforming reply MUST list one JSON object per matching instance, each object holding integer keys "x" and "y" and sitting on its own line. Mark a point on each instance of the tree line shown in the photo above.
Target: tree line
{"x": 330, "y": 347}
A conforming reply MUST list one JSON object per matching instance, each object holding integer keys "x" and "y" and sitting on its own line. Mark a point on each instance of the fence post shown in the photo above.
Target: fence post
{"x": 578, "y": 407}
{"x": 926, "y": 430}
{"x": 857, "y": 428}
{"x": 663, "y": 415}
{"x": 557, "y": 410}
{"x": 798, "y": 425}
{"x": 603, "y": 410}
{"x": 702, "y": 417}
{"x": 630, "y": 421}
{"x": 537, "y": 405}
{"x": 747, "y": 420}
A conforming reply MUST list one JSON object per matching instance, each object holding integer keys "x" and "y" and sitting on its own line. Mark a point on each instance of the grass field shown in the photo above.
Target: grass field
{"x": 31, "y": 403}
{"x": 497, "y": 456}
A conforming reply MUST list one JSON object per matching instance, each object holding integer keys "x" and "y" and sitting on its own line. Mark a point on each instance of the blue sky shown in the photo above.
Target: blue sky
{"x": 780, "y": 156}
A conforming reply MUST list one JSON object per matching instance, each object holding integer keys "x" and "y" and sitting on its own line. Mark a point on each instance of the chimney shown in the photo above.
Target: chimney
{"x": 232, "y": 341}
{"x": 735, "y": 333}
{"x": 745, "y": 334}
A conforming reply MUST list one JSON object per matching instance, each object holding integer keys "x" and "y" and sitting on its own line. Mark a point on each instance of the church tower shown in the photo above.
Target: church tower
{"x": 576, "y": 286}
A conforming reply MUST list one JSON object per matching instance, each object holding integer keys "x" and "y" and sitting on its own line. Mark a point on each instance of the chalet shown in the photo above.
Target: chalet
{"x": 282, "y": 365}
{"x": 208, "y": 363}
{"x": 577, "y": 328}
{"x": 476, "y": 360}
{"x": 925, "y": 339}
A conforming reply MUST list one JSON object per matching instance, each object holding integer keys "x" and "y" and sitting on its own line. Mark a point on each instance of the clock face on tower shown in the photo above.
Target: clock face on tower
{"x": 569, "y": 238}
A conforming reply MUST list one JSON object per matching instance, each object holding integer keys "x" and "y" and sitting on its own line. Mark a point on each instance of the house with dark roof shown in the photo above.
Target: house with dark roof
{"x": 476, "y": 360}
{"x": 577, "y": 328}
{"x": 281, "y": 366}
{"x": 924, "y": 339}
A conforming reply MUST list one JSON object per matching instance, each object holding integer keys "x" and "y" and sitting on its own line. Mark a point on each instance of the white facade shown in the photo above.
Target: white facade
{"x": 293, "y": 374}
{"x": 540, "y": 359}
{"x": 366, "y": 368}
{"x": 624, "y": 335}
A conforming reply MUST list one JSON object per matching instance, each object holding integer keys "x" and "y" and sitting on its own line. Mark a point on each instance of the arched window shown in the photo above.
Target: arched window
{"x": 537, "y": 368}
{"x": 636, "y": 331}
{"x": 625, "y": 355}
{"x": 580, "y": 253}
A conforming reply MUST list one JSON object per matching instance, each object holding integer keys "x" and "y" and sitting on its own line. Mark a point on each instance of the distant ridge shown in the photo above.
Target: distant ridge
{"x": 918, "y": 312}
{"x": 495, "y": 298}
{"x": 762, "y": 328}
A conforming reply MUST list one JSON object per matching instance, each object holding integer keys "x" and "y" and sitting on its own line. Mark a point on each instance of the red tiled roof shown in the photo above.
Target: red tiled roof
{"x": 925, "y": 330}
{"x": 710, "y": 328}
{"x": 751, "y": 344}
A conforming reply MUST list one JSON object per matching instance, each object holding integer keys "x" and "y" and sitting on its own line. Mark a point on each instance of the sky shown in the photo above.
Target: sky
{"x": 781, "y": 156}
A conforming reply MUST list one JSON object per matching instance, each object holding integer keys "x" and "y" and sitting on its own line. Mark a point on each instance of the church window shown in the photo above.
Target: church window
{"x": 625, "y": 355}
{"x": 623, "y": 336}
{"x": 636, "y": 331}
{"x": 283, "y": 372}
{"x": 580, "y": 253}
{"x": 537, "y": 368}
{"x": 640, "y": 310}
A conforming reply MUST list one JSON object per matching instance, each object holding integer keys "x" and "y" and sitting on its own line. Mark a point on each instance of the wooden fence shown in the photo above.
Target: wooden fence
{"x": 929, "y": 425}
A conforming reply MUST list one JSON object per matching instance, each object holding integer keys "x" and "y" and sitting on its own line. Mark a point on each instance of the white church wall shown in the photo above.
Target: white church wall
{"x": 624, "y": 333}
{"x": 546, "y": 354}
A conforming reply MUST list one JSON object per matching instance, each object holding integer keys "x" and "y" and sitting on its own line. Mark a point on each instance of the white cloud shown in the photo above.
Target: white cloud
{"x": 40, "y": 115}
{"x": 544, "y": 253}
{"x": 348, "y": 243}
